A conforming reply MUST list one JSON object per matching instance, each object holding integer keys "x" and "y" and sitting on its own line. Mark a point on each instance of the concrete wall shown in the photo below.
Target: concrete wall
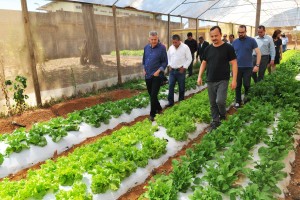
{"x": 60, "y": 34}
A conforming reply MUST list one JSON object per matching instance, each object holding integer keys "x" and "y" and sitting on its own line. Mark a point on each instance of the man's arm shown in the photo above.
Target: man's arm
{"x": 188, "y": 57}
{"x": 202, "y": 69}
{"x": 258, "y": 59}
{"x": 163, "y": 62}
{"x": 234, "y": 68}
{"x": 272, "y": 51}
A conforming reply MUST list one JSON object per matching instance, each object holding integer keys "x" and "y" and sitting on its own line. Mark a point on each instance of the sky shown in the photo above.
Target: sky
{"x": 16, "y": 4}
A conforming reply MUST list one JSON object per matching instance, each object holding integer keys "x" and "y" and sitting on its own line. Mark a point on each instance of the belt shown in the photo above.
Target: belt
{"x": 261, "y": 55}
{"x": 175, "y": 69}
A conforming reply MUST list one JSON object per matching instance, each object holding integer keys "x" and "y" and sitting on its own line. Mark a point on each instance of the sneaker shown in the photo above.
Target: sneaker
{"x": 237, "y": 105}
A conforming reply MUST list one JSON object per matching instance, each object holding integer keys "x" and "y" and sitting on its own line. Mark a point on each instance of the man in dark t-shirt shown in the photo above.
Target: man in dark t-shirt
{"x": 192, "y": 44}
{"x": 216, "y": 59}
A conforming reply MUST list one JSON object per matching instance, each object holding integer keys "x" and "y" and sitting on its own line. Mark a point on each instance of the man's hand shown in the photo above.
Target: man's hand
{"x": 156, "y": 73}
{"x": 255, "y": 69}
{"x": 233, "y": 84}
{"x": 199, "y": 81}
{"x": 182, "y": 70}
{"x": 272, "y": 62}
{"x": 144, "y": 72}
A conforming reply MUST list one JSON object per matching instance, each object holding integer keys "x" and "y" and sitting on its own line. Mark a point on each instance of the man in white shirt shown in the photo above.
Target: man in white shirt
{"x": 266, "y": 46}
{"x": 285, "y": 41}
{"x": 179, "y": 59}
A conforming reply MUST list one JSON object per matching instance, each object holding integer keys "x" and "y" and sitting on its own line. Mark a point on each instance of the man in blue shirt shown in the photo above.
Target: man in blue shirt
{"x": 155, "y": 61}
{"x": 244, "y": 47}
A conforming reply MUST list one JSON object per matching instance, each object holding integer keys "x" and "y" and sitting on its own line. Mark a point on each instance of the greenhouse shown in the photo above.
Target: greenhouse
{"x": 79, "y": 117}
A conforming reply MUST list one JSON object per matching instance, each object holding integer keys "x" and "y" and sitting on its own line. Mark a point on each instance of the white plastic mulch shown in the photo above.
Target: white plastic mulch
{"x": 29, "y": 157}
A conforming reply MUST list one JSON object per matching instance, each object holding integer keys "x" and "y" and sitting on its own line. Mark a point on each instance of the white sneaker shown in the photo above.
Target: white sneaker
{"x": 236, "y": 105}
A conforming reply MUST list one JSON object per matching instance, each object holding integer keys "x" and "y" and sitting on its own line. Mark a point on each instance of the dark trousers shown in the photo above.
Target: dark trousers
{"x": 176, "y": 76}
{"x": 153, "y": 86}
{"x": 190, "y": 68}
{"x": 217, "y": 92}
{"x": 265, "y": 59}
{"x": 243, "y": 78}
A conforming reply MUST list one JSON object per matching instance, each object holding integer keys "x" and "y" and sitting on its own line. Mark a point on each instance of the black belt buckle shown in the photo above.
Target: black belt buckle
{"x": 176, "y": 69}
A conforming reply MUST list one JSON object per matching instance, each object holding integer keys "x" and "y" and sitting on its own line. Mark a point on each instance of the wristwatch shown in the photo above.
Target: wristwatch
{"x": 257, "y": 65}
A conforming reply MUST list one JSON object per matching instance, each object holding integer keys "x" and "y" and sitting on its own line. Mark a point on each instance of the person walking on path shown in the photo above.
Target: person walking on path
{"x": 285, "y": 41}
{"x": 225, "y": 38}
{"x": 217, "y": 57}
{"x": 231, "y": 39}
{"x": 192, "y": 44}
{"x": 278, "y": 49}
{"x": 266, "y": 46}
{"x": 201, "y": 47}
{"x": 244, "y": 47}
{"x": 179, "y": 59}
{"x": 155, "y": 61}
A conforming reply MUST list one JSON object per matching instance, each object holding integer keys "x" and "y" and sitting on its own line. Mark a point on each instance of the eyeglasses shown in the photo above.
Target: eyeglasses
{"x": 241, "y": 32}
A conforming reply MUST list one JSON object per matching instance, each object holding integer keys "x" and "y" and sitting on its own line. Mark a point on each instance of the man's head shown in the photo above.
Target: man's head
{"x": 261, "y": 30}
{"x": 231, "y": 38}
{"x": 201, "y": 39}
{"x": 189, "y": 35}
{"x": 242, "y": 32}
{"x": 225, "y": 36}
{"x": 176, "y": 40}
{"x": 153, "y": 38}
{"x": 215, "y": 34}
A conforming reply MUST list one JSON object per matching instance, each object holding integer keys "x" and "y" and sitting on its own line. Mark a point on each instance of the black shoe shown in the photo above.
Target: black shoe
{"x": 246, "y": 100}
{"x": 213, "y": 126}
{"x": 151, "y": 118}
{"x": 169, "y": 105}
{"x": 159, "y": 111}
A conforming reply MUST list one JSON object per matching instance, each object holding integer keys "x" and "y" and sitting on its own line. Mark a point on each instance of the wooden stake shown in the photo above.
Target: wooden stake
{"x": 31, "y": 53}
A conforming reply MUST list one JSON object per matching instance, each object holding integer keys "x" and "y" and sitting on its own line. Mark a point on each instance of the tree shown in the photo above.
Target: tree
{"x": 92, "y": 44}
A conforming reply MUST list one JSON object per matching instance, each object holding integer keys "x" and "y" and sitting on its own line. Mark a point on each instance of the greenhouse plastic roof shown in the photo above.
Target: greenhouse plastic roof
{"x": 274, "y": 13}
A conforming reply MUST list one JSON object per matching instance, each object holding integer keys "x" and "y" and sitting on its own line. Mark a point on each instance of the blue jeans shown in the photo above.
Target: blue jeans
{"x": 153, "y": 86}
{"x": 176, "y": 76}
{"x": 190, "y": 68}
{"x": 243, "y": 78}
{"x": 217, "y": 92}
{"x": 283, "y": 47}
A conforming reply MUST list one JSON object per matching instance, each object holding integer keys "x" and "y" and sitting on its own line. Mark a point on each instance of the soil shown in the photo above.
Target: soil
{"x": 62, "y": 109}
{"x": 31, "y": 117}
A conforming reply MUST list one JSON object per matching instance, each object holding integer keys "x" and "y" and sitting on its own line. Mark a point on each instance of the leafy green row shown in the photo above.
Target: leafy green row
{"x": 109, "y": 161}
{"x": 180, "y": 119}
{"x": 57, "y": 128}
{"x": 224, "y": 170}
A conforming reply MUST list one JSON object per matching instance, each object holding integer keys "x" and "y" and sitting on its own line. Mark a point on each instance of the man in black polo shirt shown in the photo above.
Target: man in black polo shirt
{"x": 192, "y": 44}
{"x": 216, "y": 59}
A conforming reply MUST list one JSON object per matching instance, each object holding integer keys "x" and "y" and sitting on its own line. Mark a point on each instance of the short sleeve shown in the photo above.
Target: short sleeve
{"x": 205, "y": 53}
{"x": 254, "y": 43}
{"x": 231, "y": 53}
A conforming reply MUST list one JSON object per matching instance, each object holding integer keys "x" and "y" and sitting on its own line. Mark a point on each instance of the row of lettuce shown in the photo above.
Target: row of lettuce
{"x": 113, "y": 158}
{"x": 225, "y": 154}
{"x": 57, "y": 128}
{"x": 109, "y": 160}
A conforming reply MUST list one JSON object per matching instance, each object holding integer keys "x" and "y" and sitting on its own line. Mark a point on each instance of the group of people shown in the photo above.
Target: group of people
{"x": 155, "y": 61}
{"x": 241, "y": 58}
